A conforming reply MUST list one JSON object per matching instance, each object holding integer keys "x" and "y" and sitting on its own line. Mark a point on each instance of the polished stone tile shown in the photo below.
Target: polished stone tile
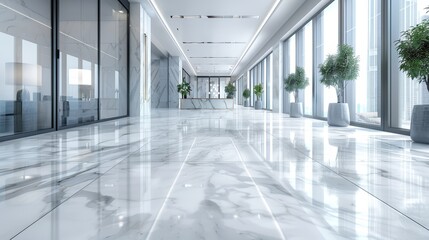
{"x": 240, "y": 174}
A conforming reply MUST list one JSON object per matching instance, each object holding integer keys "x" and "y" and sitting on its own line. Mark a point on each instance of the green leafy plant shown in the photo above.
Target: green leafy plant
{"x": 296, "y": 81}
{"x": 413, "y": 50}
{"x": 184, "y": 88}
{"x": 258, "y": 89}
{"x": 246, "y": 93}
{"x": 337, "y": 69}
{"x": 230, "y": 90}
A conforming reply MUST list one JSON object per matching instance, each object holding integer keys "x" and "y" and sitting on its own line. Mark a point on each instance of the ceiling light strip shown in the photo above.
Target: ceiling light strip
{"x": 214, "y": 16}
{"x": 256, "y": 34}
{"x": 214, "y": 42}
{"x": 214, "y": 57}
{"x": 164, "y": 22}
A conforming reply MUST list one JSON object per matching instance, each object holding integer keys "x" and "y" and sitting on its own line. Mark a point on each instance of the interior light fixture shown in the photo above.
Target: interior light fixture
{"x": 273, "y": 8}
{"x": 214, "y": 42}
{"x": 164, "y": 22}
{"x": 213, "y": 16}
{"x": 212, "y": 57}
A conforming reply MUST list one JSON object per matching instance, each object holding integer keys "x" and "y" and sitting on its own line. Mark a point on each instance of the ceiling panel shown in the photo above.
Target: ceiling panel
{"x": 214, "y": 50}
{"x": 208, "y": 59}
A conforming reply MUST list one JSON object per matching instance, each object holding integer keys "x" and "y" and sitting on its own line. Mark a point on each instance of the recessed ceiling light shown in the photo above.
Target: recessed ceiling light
{"x": 121, "y": 11}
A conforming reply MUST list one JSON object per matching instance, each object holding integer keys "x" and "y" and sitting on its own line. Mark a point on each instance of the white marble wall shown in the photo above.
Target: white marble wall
{"x": 278, "y": 78}
{"x": 159, "y": 84}
{"x": 174, "y": 78}
{"x": 140, "y": 74}
{"x": 194, "y": 87}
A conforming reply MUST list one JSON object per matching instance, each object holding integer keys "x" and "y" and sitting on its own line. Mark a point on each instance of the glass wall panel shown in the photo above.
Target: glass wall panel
{"x": 252, "y": 76}
{"x": 25, "y": 66}
{"x": 307, "y": 61}
{"x": 203, "y": 87}
{"x": 214, "y": 88}
{"x": 291, "y": 63}
{"x": 269, "y": 81}
{"x": 223, "y": 82}
{"x": 363, "y": 28}
{"x": 326, "y": 36}
{"x": 404, "y": 92}
{"x": 78, "y": 63}
{"x": 113, "y": 60}
{"x": 286, "y": 103}
{"x": 263, "y": 66}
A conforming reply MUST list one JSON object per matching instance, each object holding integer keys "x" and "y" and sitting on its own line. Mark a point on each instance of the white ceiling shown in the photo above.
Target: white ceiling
{"x": 214, "y": 46}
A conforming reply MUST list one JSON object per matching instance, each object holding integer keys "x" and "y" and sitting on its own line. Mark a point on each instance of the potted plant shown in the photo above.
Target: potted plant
{"x": 258, "y": 89}
{"x": 246, "y": 96}
{"x": 293, "y": 83}
{"x": 230, "y": 90}
{"x": 184, "y": 88}
{"x": 413, "y": 50}
{"x": 336, "y": 71}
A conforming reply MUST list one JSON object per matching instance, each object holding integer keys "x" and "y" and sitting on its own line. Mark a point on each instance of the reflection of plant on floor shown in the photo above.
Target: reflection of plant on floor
{"x": 230, "y": 90}
{"x": 184, "y": 88}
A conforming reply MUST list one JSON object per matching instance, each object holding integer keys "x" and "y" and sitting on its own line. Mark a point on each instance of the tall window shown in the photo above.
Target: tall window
{"x": 326, "y": 30}
{"x": 289, "y": 67}
{"x": 404, "y": 92}
{"x": 261, "y": 73}
{"x": 25, "y": 67}
{"x": 362, "y": 31}
{"x": 305, "y": 60}
{"x": 269, "y": 81}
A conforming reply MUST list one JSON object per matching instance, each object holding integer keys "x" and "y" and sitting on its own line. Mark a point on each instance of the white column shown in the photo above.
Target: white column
{"x": 278, "y": 84}
{"x": 140, "y": 61}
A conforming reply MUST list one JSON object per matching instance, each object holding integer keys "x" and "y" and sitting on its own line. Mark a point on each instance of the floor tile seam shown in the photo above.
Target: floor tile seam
{"x": 261, "y": 195}
{"x": 167, "y": 197}
{"x": 353, "y": 183}
{"x": 363, "y": 189}
{"x": 78, "y": 191}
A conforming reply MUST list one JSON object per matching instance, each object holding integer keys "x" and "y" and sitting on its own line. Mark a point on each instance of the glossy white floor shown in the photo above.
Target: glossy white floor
{"x": 240, "y": 174}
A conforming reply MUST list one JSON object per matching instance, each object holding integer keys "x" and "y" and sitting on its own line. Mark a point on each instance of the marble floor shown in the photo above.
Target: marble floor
{"x": 241, "y": 174}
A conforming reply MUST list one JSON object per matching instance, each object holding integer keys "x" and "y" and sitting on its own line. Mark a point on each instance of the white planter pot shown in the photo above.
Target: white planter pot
{"x": 258, "y": 105}
{"x": 296, "y": 110}
{"x": 419, "y": 131}
{"x": 338, "y": 115}
{"x": 246, "y": 103}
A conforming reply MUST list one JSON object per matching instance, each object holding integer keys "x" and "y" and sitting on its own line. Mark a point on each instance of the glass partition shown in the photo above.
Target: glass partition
{"x": 25, "y": 67}
{"x": 113, "y": 60}
{"x": 78, "y": 62}
{"x": 214, "y": 88}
